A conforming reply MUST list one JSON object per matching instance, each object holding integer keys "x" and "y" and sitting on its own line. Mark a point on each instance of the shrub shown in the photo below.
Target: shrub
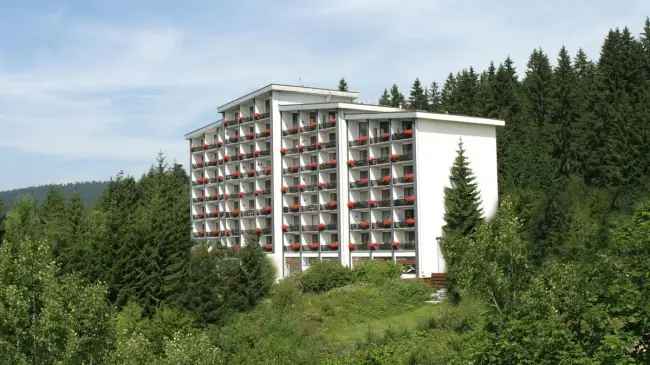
{"x": 408, "y": 291}
{"x": 324, "y": 276}
{"x": 285, "y": 294}
{"x": 377, "y": 272}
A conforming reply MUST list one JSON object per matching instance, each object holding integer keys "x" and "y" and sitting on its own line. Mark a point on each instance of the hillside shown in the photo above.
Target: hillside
{"x": 89, "y": 192}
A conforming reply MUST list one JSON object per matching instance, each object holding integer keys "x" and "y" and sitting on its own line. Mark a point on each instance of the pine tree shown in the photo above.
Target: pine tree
{"x": 447, "y": 96}
{"x": 563, "y": 120}
{"x": 385, "y": 99}
{"x": 396, "y": 97}
{"x": 466, "y": 92}
{"x": 343, "y": 85}
{"x": 52, "y": 212}
{"x": 434, "y": 98}
{"x": 418, "y": 98}
{"x": 487, "y": 98}
{"x": 463, "y": 211}
{"x": 2, "y": 219}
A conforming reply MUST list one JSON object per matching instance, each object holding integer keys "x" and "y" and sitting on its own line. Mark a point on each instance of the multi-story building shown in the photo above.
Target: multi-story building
{"x": 312, "y": 175}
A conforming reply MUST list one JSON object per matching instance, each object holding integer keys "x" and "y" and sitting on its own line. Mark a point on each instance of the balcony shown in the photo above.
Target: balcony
{"x": 405, "y": 134}
{"x": 331, "y": 205}
{"x": 212, "y": 163}
{"x": 358, "y": 205}
{"x": 197, "y": 165}
{"x": 265, "y": 211}
{"x": 330, "y": 123}
{"x": 359, "y": 141}
{"x": 290, "y": 131}
{"x": 260, "y": 116}
{"x": 327, "y": 185}
{"x": 378, "y": 160}
{"x": 200, "y": 181}
{"x": 292, "y": 170}
{"x": 407, "y": 200}
{"x": 407, "y": 223}
{"x": 234, "y": 176}
{"x": 233, "y": 139}
{"x": 402, "y": 157}
{"x": 357, "y": 163}
{"x": 383, "y": 224}
{"x": 329, "y": 164}
{"x": 360, "y": 183}
{"x": 383, "y": 137}
{"x": 263, "y": 134}
{"x": 290, "y": 228}
{"x": 310, "y": 166}
{"x": 211, "y": 146}
{"x": 362, "y": 225}
{"x": 328, "y": 144}
{"x": 312, "y": 147}
{"x": 262, "y": 153}
{"x": 249, "y": 136}
{"x": 198, "y": 200}
{"x": 262, "y": 192}
{"x": 198, "y": 216}
{"x": 311, "y": 126}
{"x": 383, "y": 181}
{"x": 196, "y": 148}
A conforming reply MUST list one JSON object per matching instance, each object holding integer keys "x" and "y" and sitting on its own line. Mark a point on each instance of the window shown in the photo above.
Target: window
{"x": 407, "y": 149}
{"x": 251, "y": 204}
{"x": 363, "y": 174}
{"x": 236, "y": 205}
{"x": 331, "y": 116}
{"x": 331, "y": 156}
{"x": 313, "y": 159}
{"x": 314, "y": 199}
{"x": 363, "y": 155}
{"x": 332, "y": 196}
{"x": 294, "y": 119}
{"x": 409, "y": 213}
{"x": 408, "y": 170}
{"x": 385, "y": 214}
{"x": 410, "y": 236}
{"x": 267, "y": 202}
{"x": 312, "y": 117}
{"x": 363, "y": 129}
{"x": 334, "y": 237}
{"x": 407, "y": 124}
{"x": 313, "y": 140}
{"x": 267, "y": 184}
{"x": 251, "y": 130}
{"x": 333, "y": 177}
{"x": 408, "y": 191}
{"x": 267, "y": 106}
{"x": 251, "y": 110}
{"x": 385, "y": 195}
{"x": 384, "y": 126}
{"x": 332, "y": 137}
{"x": 385, "y": 172}
{"x": 385, "y": 237}
{"x": 384, "y": 151}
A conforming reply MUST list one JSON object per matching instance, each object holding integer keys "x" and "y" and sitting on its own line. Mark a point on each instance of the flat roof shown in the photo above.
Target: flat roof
{"x": 338, "y": 105}
{"x": 199, "y": 131}
{"x": 426, "y": 115}
{"x": 288, "y": 88}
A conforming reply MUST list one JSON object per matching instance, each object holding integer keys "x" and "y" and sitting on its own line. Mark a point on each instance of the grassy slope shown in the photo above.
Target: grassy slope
{"x": 332, "y": 327}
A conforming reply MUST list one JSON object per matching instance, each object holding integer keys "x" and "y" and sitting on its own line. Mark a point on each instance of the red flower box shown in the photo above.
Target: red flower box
{"x": 351, "y": 205}
{"x": 257, "y": 116}
{"x": 371, "y": 160}
{"x": 284, "y": 189}
{"x": 314, "y": 246}
{"x": 206, "y": 146}
{"x": 362, "y": 181}
{"x": 257, "y": 153}
{"x": 352, "y": 246}
{"x": 241, "y": 194}
{"x": 410, "y": 221}
{"x": 225, "y": 196}
{"x": 387, "y": 222}
{"x": 301, "y": 187}
{"x": 295, "y": 246}
{"x": 250, "y": 136}
{"x": 283, "y": 150}
{"x": 373, "y": 246}
{"x": 394, "y": 157}
{"x": 409, "y": 177}
{"x": 267, "y": 170}
{"x": 361, "y": 139}
{"x": 364, "y": 224}
{"x": 220, "y": 178}
{"x": 300, "y": 148}
{"x": 258, "y": 231}
{"x": 351, "y": 163}
{"x": 410, "y": 198}
{"x": 250, "y": 173}
{"x": 331, "y": 205}
{"x": 268, "y": 247}
{"x": 311, "y": 166}
{"x": 333, "y": 245}
{"x": 321, "y": 227}
{"x": 408, "y": 133}
{"x": 386, "y": 179}
{"x": 266, "y": 210}
{"x": 372, "y": 203}
{"x": 395, "y": 245}
{"x": 331, "y": 163}
{"x": 285, "y": 228}
{"x": 385, "y": 136}
{"x": 322, "y": 185}
{"x": 226, "y": 158}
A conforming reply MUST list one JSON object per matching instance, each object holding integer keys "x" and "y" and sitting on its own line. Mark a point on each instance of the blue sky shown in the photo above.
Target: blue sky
{"x": 89, "y": 88}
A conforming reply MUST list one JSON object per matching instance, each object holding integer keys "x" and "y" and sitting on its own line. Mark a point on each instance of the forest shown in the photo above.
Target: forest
{"x": 559, "y": 276}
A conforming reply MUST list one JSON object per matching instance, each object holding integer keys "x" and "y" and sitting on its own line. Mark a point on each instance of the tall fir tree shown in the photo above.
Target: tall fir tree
{"x": 385, "y": 99}
{"x": 52, "y": 213}
{"x": 487, "y": 103}
{"x": 396, "y": 97}
{"x": 463, "y": 211}
{"x": 466, "y": 93}
{"x": 434, "y": 98}
{"x": 418, "y": 98}
{"x": 2, "y": 219}
{"x": 563, "y": 121}
{"x": 343, "y": 85}
{"x": 447, "y": 96}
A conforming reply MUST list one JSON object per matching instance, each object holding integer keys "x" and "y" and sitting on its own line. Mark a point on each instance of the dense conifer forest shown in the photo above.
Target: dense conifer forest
{"x": 559, "y": 276}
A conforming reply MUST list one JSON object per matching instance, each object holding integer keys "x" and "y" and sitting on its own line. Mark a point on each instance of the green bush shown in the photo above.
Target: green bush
{"x": 324, "y": 276}
{"x": 377, "y": 272}
{"x": 408, "y": 291}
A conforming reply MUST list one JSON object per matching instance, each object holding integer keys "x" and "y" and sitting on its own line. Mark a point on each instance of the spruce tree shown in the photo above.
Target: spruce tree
{"x": 2, "y": 219}
{"x": 463, "y": 211}
{"x": 564, "y": 119}
{"x": 385, "y": 99}
{"x": 52, "y": 212}
{"x": 447, "y": 96}
{"x": 466, "y": 92}
{"x": 343, "y": 85}
{"x": 418, "y": 98}
{"x": 434, "y": 98}
{"x": 487, "y": 98}
{"x": 396, "y": 97}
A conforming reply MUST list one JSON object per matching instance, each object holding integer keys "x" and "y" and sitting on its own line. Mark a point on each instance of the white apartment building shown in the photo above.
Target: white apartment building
{"x": 314, "y": 175}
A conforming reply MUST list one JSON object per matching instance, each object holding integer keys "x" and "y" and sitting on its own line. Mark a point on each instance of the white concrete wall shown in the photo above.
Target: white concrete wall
{"x": 436, "y": 143}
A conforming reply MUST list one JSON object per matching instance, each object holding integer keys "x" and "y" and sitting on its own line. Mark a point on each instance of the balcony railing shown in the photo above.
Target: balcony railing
{"x": 196, "y": 148}
{"x": 197, "y": 165}
{"x": 402, "y": 157}
{"x": 359, "y": 141}
{"x": 327, "y": 185}
{"x": 407, "y": 133}
{"x": 310, "y": 126}
{"x": 378, "y": 160}
{"x": 383, "y": 137}
{"x": 290, "y": 228}
{"x": 407, "y": 200}
{"x": 363, "y": 182}
{"x": 263, "y": 134}
{"x": 357, "y": 205}
{"x": 329, "y": 205}
{"x": 329, "y": 164}
{"x": 407, "y": 223}
{"x": 328, "y": 124}
{"x": 357, "y": 163}
{"x": 328, "y": 144}
{"x": 290, "y": 131}
{"x": 363, "y": 225}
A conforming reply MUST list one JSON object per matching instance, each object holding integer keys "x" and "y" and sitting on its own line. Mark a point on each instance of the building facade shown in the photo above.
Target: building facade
{"x": 313, "y": 175}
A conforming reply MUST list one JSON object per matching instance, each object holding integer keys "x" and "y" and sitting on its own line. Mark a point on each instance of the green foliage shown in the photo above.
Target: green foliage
{"x": 418, "y": 98}
{"x": 385, "y": 99}
{"x": 396, "y": 97}
{"x": 343, "y": 85}
{"x": 324, "y": 276}
{"x": 376, "y": 272}
{"x": 89, "y": 192}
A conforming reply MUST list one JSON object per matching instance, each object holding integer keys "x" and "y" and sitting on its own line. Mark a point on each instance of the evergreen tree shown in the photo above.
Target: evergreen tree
{"x": 466, "y": 92}
{"x": 418, "y": 99}
{"x": 487, "y": 93}
{"x": 396, "y": 97}
{"x": 564, "y": 120}
{"x": 2, "y": 219}
{"x": 343, "y": 85}
{"x": 385, "y": 99}
{"x": 434, "y": 98}
{"x": 447, "y": 96}
{"x": 463, "y": 211}
{"x": 52, "y": 213}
